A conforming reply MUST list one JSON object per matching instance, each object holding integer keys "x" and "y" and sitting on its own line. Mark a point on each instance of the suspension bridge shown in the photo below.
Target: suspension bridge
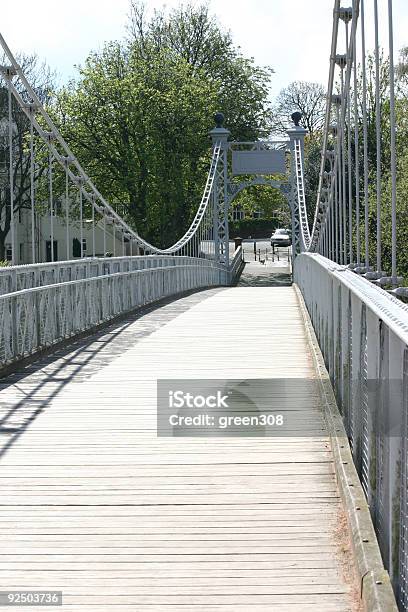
{"x": 297, "y": 499}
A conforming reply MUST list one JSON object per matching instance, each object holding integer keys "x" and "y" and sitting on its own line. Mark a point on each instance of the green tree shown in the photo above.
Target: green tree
{"x": 193, "y": 34}
{"x": 307, "y": 98}
{"x": 261, "y": 198}
{"x": 139, "y": 128}
{"x": 138, "y": 115}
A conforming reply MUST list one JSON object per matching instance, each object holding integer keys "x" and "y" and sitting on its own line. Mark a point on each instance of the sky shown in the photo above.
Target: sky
{"x": 292, "y": 36}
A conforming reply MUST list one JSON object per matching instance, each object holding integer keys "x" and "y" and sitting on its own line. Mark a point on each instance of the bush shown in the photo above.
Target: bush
{"x": 254, "y": 228}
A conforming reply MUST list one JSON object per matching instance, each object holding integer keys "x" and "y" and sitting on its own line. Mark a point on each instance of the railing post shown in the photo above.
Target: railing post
{"x": 14, "y": 326}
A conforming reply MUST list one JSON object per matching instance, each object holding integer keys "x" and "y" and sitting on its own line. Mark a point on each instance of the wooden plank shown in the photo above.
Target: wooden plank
{"x": 218, "y": 576}
{"x": 179, "y": 584}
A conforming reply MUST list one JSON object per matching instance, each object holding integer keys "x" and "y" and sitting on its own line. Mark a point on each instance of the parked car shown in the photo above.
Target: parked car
{"x": 281, "y": 237}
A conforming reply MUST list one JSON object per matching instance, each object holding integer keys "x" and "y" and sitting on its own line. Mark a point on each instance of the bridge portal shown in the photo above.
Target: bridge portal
{"x": 275, "y": 163}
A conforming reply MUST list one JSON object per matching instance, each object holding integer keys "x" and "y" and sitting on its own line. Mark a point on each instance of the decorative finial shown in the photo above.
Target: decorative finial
{"x": 296, "y": 117}
{"x": 219, "y": 119}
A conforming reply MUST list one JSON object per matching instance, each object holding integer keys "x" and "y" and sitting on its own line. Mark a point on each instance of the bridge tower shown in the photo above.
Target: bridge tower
{"x": 219, "y": 136}
{"x": 259, "y": 159}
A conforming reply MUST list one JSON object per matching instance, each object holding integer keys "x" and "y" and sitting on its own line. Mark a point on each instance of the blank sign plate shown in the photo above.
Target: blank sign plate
{"x": 258, "y": 162}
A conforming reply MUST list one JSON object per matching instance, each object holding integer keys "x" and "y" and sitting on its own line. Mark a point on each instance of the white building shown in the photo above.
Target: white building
{"x": 63, "y": 248}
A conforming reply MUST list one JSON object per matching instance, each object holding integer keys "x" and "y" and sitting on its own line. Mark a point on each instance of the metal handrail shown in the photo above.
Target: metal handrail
{"x": 33, "y": 319}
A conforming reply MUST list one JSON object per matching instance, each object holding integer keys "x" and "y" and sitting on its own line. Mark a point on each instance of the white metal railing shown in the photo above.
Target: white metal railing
{"x": 17, "y": 278}
{"x": 363, "y": 334}
{"x": 34, "y": 319}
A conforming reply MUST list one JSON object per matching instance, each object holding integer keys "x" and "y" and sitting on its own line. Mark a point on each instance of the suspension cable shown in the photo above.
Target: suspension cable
{"x": 343, "y": 170}
{"x": 51, "y": 195}
{"x": 104, "y": 236}
{"x": 349, "y": 174}
{"x": 81, "y": 222}
{"x": 11, "y": 170}
{"x": 356, "y": 154}
{"x": 93, "y": 232}
{"x": 393, "y": 150}
{"x": 339, "y": 186}
{"x": 378, "y": 134}
{"x": 32, "y": 190}
{"x": 67, "y": 211}
{"x": 365, "y": 137}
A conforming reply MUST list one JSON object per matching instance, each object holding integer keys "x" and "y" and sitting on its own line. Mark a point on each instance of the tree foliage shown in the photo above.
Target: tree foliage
{"x": 193, "y": 34}
{"x": 307, "y": 98}
{"x": 402, "y": 70}
{"x": 262, "y": 198}
{"x": 138, "y": 115}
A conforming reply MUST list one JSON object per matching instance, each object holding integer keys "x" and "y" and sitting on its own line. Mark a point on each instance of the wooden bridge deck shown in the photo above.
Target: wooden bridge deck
{"x": 94, "y": 504}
